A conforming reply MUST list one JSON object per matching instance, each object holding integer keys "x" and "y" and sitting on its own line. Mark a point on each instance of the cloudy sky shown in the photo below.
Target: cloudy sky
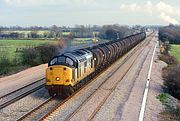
{"x": 71, "y": 12}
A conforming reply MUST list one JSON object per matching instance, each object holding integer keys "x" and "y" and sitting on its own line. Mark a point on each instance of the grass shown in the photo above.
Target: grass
{"x": 163, "y": 97}
{"x": 66, "y": 33}
{"x": 82, "y": 39}
{"x": 175, "y": 51}
{"x": 10, "y": 46}
{"x": 24, "y": 42}
{"x": 77, "y": 41}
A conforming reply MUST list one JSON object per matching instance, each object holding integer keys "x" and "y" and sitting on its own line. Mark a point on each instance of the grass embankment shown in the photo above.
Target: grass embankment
{"x": 175, "y": 51}
{"x": 12, "y": 51}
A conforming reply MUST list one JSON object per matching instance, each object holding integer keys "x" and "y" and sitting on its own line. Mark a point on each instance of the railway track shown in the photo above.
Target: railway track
{"x": 40, "y": 110}
{"x": 20, "y": 93}
{"x": 123, "y": 62}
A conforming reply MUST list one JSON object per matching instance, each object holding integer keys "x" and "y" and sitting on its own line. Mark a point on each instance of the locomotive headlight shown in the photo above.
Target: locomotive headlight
{"x": 57, "y": 78}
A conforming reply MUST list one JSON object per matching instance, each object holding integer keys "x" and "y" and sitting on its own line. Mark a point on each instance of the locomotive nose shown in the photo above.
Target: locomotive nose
{"x": 58, "y": 75}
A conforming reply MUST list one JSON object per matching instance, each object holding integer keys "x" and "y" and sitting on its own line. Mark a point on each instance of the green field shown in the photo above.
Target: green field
{"x": 77, "y": 41}
{"x": 9, "y": 47}
{"x": 11, "y": 59}
{"x": 175, "y": 51}
{"x": 66, "y": 33}
{"x": 24, "y": 42}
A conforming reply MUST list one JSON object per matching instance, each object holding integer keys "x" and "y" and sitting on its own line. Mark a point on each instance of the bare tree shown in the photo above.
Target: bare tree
{"x": 55, "y": 31}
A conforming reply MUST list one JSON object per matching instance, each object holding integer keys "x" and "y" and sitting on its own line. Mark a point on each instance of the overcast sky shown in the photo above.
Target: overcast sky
{"x": 100, "y": 12}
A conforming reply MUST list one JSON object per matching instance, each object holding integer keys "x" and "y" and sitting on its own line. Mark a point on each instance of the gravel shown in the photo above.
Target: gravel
{"x": 42, "y": 110}
{"x": 19, "y": 108}
{"x": 154, "y": 106}
{"x": 132, "y": 106}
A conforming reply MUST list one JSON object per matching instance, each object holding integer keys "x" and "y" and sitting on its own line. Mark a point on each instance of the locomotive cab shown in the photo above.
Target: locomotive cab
{"x": 59, "y": 74}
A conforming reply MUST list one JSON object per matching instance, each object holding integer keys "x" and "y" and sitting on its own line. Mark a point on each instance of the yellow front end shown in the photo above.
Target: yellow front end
{"x": 59, "y": 75}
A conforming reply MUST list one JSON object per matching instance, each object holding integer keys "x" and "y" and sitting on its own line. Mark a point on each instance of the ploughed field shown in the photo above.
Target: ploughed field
{"x": 175, "y": 51}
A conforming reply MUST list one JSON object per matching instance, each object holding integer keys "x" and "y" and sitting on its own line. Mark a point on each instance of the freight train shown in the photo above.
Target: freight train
{"x": 67, "y": 72}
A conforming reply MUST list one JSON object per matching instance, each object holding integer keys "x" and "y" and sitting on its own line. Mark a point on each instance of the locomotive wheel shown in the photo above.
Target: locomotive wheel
{"x": 75, "y": 87}
{"x": 86, "y": 80}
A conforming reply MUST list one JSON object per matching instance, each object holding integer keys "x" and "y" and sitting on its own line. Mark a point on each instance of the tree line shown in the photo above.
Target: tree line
{"x": 170, "y": 33}
{"x": 110, "y": 32}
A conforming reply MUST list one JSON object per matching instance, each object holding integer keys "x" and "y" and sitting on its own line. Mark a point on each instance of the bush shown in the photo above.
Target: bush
{"x": 170, "y": 60}
{"x": 176, "y": 112}
{"x": 46, "y": 52}
{"x": 4, "y": 62}
{"x": 41, "y": 54}
{"x": 4, "y": 65}
{"x": 31, "y": 57}
{"x": 172, "y": 108}
{"x": 172, "y": 33}
{"x": 172, "y": 80}
{"x": 163, "y": 97}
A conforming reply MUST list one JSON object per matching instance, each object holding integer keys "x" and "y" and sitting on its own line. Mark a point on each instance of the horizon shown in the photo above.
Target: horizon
{"x": 73, "y": 26}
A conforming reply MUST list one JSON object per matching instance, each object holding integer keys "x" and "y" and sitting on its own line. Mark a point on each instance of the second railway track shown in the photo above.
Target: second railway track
{"x": 40, "y": 110}
{"x": 20, "y": 93}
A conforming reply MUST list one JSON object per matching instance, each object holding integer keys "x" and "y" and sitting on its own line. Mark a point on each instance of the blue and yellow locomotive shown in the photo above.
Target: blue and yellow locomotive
{"x": 66, "y": 71}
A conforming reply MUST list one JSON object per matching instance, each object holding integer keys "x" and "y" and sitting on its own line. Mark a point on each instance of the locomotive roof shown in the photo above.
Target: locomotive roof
{"x": 79, "y": 55}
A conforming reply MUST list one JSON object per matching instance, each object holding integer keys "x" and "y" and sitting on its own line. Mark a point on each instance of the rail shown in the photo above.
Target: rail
{"x": 16, "y": 95}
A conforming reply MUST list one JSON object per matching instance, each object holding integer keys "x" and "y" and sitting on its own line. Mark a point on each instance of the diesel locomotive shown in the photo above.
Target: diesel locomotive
{"x": 67, "y": 72}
